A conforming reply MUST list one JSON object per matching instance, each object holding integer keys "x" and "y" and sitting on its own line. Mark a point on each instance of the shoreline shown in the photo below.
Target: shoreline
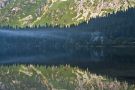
{"x": 55, "y": 78}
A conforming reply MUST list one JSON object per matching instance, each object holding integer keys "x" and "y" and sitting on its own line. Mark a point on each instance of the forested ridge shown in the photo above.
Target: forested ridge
{"x": 35, "y": 13}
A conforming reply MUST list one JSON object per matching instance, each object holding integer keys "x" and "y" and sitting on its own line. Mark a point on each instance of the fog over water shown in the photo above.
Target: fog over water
{"x": 102, "y": 47}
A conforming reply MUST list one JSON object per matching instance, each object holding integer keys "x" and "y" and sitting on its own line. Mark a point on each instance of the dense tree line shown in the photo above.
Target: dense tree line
{"x": 114, "y": 29}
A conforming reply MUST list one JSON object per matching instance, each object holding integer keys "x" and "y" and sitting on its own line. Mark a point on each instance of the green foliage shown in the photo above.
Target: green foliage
{"x": 22, "y": 13}
{"x": 20, "y": 77}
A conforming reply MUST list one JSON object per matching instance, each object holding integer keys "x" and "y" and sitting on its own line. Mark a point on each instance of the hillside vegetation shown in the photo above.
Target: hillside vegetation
{"x": 55, "y": 78}
{"x": 33, "y": 13}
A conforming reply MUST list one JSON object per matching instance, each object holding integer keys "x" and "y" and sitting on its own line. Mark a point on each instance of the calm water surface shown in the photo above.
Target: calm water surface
{"x": 67, "y": 47}
{"x": 86, "y": 46}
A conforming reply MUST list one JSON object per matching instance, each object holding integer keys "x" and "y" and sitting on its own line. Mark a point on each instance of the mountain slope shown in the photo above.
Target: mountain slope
{"x": 23, "y": 13}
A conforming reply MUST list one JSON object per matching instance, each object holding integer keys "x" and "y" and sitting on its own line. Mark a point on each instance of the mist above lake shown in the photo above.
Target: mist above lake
{"x": 104, "y": 46}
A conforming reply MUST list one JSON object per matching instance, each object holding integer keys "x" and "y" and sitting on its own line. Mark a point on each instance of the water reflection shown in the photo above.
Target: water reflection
{"x": 66, "y": 47}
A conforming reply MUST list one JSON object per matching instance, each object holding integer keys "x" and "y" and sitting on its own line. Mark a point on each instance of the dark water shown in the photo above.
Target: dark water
{"x": 67, "y": 47}
{"x": 104, "y": 46}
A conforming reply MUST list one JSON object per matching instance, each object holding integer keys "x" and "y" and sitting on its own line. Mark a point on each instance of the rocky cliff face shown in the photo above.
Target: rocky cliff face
{"x": 57, "y": 12}
{"x": 87, "y": 9}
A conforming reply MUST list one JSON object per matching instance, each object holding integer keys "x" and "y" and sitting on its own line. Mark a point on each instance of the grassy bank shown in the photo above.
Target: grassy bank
{"x": 21, "y": 77}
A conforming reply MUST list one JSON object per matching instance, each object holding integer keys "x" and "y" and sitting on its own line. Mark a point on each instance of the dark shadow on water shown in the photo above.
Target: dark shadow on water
{"x": 104, "y": 46}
